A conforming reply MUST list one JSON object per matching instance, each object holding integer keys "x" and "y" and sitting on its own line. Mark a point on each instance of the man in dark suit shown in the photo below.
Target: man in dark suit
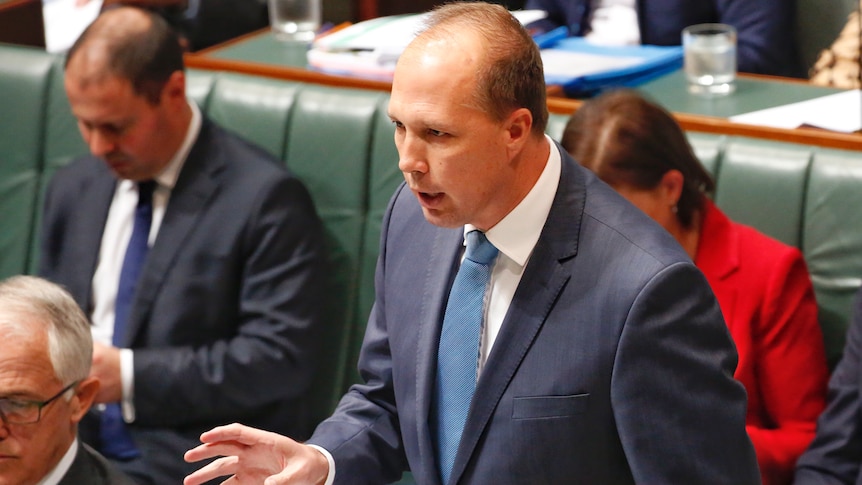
{"x": 220, "y": 325}
{"x": 204, "y": 23}
{"x": 835, "y": 455}
{"x": 45, "y": 390}
{"x": 766, "y": 40}
{"x": 601, "y": 356}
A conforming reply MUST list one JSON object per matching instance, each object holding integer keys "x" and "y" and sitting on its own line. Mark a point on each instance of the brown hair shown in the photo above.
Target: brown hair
{"x": 512, "y": 76}
{"x": 139, "y": 46}
{"x": 627, "y": 139}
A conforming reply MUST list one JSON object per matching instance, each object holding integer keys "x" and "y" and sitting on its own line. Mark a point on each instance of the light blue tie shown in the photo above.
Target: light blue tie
{"x": 458, "y": 351}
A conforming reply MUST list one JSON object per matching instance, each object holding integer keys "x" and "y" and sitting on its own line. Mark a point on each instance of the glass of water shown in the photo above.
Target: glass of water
{"x": 710, "y": 58}
{"x": 295, "y": 20}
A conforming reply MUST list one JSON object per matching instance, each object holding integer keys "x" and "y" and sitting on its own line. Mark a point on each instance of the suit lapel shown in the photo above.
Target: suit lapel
{"x": 95, "y": 204}
{"x": 195, "y": 187}
{"x": 443, "y": 262}
{"x": 544, "y": 278}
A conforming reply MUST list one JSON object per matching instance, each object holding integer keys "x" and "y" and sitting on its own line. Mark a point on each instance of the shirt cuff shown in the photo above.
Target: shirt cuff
{"x": 127, "y": 379}
{"x": 329, "y": 459}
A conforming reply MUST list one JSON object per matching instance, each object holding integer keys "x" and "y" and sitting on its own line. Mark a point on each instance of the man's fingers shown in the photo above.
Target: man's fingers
{"x": 218, "y": 468}
{"x": 236, "y": 432}
{"x": 212, "y": 450}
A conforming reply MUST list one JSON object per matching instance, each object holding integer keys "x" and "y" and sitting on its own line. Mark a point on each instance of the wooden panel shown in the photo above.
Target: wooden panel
{"x": 21, "y": 23}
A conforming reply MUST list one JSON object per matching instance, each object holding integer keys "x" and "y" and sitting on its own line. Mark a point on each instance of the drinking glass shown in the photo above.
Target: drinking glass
{"x": 709, "y": 52}
{"x": 295, "y": 20}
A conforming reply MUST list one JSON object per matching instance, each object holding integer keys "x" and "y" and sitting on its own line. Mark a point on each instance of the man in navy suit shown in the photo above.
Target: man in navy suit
{"x": 222, "y": 323}
{"x": 204, "y": 23}
{"x": 835, "y": 455}
{"x": 766, "y": 40}
{"x": 602, "y": 355}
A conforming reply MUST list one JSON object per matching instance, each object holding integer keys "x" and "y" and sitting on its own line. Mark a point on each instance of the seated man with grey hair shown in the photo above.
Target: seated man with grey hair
{"x": 45, "y": 356}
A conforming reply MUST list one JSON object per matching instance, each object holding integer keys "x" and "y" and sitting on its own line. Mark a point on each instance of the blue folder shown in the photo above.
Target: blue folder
{"x": 654, "y": 62}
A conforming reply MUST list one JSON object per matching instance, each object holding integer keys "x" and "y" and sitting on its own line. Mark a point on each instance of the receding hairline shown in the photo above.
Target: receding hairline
{"x": 113, "y": 28}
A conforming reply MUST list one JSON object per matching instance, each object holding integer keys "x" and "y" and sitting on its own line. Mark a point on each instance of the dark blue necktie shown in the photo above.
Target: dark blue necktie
{"x": 116, "y": 442}
{"x": 458, "y": 351}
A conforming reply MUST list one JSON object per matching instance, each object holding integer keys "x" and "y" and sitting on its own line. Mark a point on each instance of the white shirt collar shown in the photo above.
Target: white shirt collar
{"x": 168, "y": 177}
{"x": 54, "y": 476}
{"x": 517, "y": 234}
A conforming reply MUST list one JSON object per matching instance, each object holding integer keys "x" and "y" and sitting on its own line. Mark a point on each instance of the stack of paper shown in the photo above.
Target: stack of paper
{"x": 65, "y": 20}
{"x": 583, "y": 68}
{"x": 840, "y": 112}
{"x": 371, "y": 48}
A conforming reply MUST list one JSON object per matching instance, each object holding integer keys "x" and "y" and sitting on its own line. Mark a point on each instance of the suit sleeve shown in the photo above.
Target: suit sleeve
{"x": 791, "y": 368}
{"x": 569, "y": 13}
{"x": 269, "y": 294}
{"x": 835, "y": 455}
{"x": 680, "y": 413}
{"x": 363, "y": 434}
{"x": 765, "y": 35}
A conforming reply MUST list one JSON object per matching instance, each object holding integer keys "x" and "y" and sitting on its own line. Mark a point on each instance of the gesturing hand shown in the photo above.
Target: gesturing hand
{"x": 254, "y": 456}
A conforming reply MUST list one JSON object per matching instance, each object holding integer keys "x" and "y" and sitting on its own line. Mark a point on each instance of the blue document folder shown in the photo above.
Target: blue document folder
{"x": 585, "y": 69}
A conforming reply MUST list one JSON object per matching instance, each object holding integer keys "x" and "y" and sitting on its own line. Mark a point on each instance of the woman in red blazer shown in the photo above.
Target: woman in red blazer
{"x": 762, "y": 285}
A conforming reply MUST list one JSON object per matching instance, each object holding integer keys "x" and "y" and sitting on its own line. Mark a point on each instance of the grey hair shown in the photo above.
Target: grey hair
{"x": 70, "y": 344}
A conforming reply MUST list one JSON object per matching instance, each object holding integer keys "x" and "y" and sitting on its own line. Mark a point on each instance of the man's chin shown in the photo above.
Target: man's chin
{"x": 440, "y": 218}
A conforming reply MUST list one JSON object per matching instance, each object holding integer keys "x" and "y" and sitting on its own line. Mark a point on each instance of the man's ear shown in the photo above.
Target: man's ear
{"x": 85, "y": 394}
{"x": 175, "y": 87}
{"x": 519, "y": 126}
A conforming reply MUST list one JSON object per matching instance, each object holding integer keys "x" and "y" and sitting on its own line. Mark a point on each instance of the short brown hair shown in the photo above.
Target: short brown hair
{"x": 512, "y": 76}
{"x": 145, "y": 50}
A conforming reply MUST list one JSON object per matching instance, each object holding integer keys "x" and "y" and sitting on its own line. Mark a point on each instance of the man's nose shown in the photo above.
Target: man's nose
{"x": 101, "y": 144}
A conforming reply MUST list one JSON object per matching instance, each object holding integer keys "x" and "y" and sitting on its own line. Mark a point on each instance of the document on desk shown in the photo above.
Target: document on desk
{"x": 841, "y": 112}
{"x": 372, "y": 47}
{"x": 584, "y": 68}
{"x": 65, "y": 20}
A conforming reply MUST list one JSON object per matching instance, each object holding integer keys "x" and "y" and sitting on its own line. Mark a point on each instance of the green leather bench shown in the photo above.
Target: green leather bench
{"x": 339, "y": 142}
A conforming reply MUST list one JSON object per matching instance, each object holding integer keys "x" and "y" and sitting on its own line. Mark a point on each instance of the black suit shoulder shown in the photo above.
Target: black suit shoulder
{"x": 91, "y": 468}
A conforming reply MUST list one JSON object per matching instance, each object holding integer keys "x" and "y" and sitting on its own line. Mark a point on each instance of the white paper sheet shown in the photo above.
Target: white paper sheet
{"x": 840, "y": 112}
{"x": 65, "y": 20}
{"x": 574, "y": 64}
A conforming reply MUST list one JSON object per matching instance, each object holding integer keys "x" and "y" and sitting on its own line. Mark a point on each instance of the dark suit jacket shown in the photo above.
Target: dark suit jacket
{"x": 765, "y": 28}
{"x": 835, "y": 455}
{"x": 91, "y": 468}
{"x": 224, "y": 319}
{"x": 613, "y": 364}
{"x": 217, "y": 21}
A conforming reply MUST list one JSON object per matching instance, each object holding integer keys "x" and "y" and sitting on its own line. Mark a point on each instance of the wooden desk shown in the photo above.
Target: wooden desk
{"x": 260, "y": 53}
{"x": 21, "y": 22}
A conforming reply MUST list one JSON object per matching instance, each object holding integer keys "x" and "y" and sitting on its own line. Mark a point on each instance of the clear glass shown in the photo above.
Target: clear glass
{"x": 710, "y": 58}
{"x": 295, "y": 20}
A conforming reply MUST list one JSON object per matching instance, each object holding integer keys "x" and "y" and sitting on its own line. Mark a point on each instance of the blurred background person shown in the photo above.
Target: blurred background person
{"x": 197, "y": 256}
{"x": 762, "y": 285}
{"x": 45, "y": 355}
{"x": 835, "y": 455}
{"x": 839, "y": 65}
{"x": 204, "y": 23}
{"x": 766, "y": 42}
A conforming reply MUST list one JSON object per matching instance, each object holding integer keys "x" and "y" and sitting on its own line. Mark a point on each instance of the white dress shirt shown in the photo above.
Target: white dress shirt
{"x": 115, "y": 239}
{"x": 54, "y": 476}
{"x": 614, "y": 22}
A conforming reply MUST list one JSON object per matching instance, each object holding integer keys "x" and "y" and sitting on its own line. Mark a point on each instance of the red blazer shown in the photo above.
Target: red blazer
{"x": 765, "y": 294}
